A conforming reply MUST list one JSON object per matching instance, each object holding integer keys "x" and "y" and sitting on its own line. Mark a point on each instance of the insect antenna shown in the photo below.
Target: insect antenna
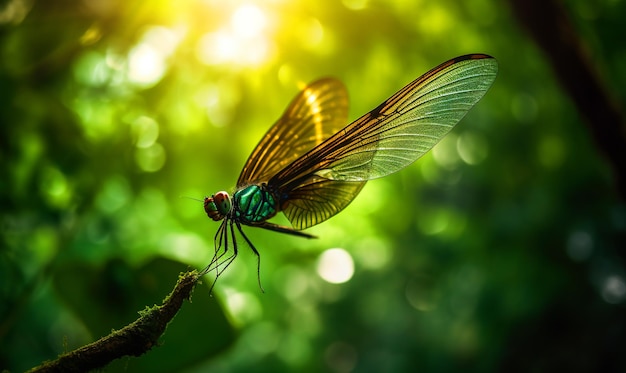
{"x": 191, "y": 198}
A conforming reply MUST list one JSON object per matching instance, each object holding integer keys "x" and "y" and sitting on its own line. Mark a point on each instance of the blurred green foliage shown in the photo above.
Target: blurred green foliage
{"x": 500, "y": 250}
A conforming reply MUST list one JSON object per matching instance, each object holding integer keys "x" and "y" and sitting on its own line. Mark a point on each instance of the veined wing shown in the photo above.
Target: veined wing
{"x": 402, "y": 128}
{"x": 315, "y": 114}
{"x": 390, "y": 137}
{"x": 317, "y": 199}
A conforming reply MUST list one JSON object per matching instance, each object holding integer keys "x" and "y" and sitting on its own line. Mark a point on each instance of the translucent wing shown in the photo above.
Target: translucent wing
{"x": 317, "y": 199}
{"x": 316, "y": 113}
{"x": 388, "y": 138}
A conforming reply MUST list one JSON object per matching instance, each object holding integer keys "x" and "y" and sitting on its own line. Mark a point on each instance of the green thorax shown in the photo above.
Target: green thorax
{"x": 254, "y": 204}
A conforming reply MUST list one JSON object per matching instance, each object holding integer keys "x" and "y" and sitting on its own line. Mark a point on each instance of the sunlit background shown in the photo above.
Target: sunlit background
{"x": 497, "y": 250}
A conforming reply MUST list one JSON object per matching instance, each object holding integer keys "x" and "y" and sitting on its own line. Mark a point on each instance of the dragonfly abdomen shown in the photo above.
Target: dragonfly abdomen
{"x": 254, "y": 204}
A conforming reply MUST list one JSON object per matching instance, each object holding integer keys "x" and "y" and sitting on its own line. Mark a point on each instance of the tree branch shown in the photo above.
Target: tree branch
{"x": 549, "y": 25}
{"x": 133, "y": 340}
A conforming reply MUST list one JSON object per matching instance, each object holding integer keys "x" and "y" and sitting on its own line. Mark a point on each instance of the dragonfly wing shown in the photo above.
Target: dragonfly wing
{"x": 317, "y": 199}
{"x": 315, "y": 114}
{"x": 412, "y": 121}
{"x": 325, "y": 180}
{"x": 402, "y": 128}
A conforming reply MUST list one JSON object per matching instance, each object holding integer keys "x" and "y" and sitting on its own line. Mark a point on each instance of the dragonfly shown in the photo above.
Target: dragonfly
{"x": 310, "y": 165}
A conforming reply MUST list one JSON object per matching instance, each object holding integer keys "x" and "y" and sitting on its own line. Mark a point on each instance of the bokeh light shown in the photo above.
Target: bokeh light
{"x": 243, "y": 41}
{"x": 473, "y": 148}
{"x": 335, "y": 266}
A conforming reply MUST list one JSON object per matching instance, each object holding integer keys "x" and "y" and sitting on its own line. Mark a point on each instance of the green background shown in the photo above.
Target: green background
{"x": 500, "y": 250}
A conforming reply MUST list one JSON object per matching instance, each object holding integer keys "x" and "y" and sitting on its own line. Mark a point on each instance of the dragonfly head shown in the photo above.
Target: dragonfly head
{"x": 217, "y": 206}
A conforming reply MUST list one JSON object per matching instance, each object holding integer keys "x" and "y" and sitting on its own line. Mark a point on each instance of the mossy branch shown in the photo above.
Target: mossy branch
{"x": 134, "y": 339}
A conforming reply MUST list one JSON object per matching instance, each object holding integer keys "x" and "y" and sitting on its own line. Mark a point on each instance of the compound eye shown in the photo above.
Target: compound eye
{"x": 217, "y": 206}
{"x": 222, "y": 201}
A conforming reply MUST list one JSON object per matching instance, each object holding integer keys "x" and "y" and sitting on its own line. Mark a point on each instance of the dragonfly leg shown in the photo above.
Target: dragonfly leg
{"x": 217, "y": 242}
{"x": 220, "y": 241}
{"x": 258, "y": 256}
{"x": 216, "y": 263}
